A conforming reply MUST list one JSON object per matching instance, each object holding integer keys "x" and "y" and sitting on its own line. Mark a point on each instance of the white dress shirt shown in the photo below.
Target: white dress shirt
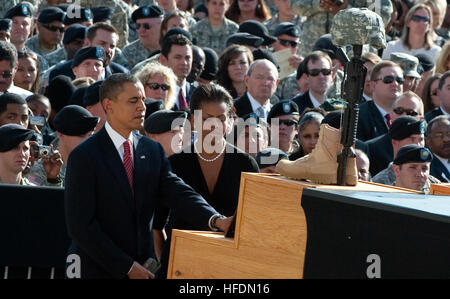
{"x": 23, "y": 93}
{"x": 118, "y": 140}
{"x": 255, "y": 105}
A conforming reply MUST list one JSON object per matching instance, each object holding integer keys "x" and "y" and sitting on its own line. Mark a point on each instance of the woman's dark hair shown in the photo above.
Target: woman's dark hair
{"x": 209, "y": 93}
{"x": 32, "y": 56}
{"x": 426, "y": 93}
{"x": 261, "y": 11}
{"x": 229, "y": 54}
{"x": 167, "y": 18}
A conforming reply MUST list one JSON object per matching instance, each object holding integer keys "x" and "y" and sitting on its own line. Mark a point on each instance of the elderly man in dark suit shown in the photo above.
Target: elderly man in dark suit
{"x": 438, "y": 140}
{"x": 114, "y": 180}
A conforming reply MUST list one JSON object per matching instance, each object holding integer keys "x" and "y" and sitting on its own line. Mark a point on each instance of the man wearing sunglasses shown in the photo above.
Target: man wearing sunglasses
{"x": 375, "y": 116}
{"x": 8, "y": 68}
{"x": 284, "y": 117}
{"x": 438, "y": 141}
{"x": 443, "y": 93}
{"x": 51, "y": 31}
{"x": 287, "y": 35}
{"x": 148, "y": 21}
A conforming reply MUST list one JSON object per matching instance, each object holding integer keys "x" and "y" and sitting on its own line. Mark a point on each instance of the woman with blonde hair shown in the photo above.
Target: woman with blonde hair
{"x": 438, "y": 9}
{"x": 160, "y": 83}
{"x": 443, "y": 59}
{"x": 417, "y": 35}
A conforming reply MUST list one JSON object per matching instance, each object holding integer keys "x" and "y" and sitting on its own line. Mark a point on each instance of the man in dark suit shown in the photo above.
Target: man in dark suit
{"x": 110, "y": 199}
{"x": 375, "y": 116}
{"x": 261, "y": 81}
{"x": 443, "y": 93}
{"x": 438, "y": 141}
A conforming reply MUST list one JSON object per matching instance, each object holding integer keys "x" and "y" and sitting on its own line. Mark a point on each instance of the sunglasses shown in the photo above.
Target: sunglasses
{"x": 6, "y": 75}
{"x": 145, "y": 25}
{"x": 316, "y": 72}
{"x": 156, "y": 86}
{"x": 417, "y": 18}
{"x": 287, "y": 122}
{"x": 390, "y": 79}
{"x": 53, "y": 28}
{"x": 400, "y": 110}
{"x": 288, "y": 43}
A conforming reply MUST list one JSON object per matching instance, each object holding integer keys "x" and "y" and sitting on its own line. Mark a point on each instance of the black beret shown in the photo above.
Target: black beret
{"x": 59, "y": 91}
{"x": 102, "y": 13}
{"x": 287, "y": 28}
{"x": 333, "y": 119}
{"x": 5, "y": 24}
{"x": 82, "y": 54}
{"x": 74, "y": 120}
{"x": 152, "y": 106}
{"x": 269, "y": 157}
{"x": 265, "y": 54}
{"x": 211, "y": 64}
{"x": 175, "y": 31}
{"x": 426, "y": 63}
{"x": 405, "y": 126}
{"x": 244, "y": 38}
{"x": 286, "y": 107}
{"x": 11, "y": 135}
{"x": 20, "y": 10}
{"x": 63, "y": 6}
{"x": 92, "y": 94}
{"x": 73, "y": 32}
{"x": 143, "y": 12}
{"x": 51, "y": 14}
{"x": 325, "y": 44}
{"x": 84, "y": 15}
{"x": 78, "y": 96}
{"x": 161, "y": 121}
{"x": 256, "y": 28}
{"x": 300, "y": 70}
{"x": 201, "y": 8}
{"x": 412, "y": 153}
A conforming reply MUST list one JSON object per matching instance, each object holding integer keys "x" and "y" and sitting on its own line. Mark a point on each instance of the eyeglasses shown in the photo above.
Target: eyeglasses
{"x": 390, "y": 79}
{"x": 400, "y": 110}
{"x": 316, "y": 72}
{"x": 288, "y": 43}
{"x": 145, "y": 25}
{"x": 441, "y": 135}
{"x": 53, "y": 28}
{"x": 156, "y": 86}
{"x": 6, "y": 75}
{"x": 417, "y": 18}
{"x": 287, "y": 122}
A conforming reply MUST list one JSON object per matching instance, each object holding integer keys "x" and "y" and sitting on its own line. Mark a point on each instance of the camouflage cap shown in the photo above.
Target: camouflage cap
{"x": 383, "y": 8}
{"x": 358, "y": 26}
{"x": 407, "y": 62}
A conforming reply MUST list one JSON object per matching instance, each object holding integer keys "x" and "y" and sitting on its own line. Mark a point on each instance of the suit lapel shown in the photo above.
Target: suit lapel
{"x": 115, "y": 164}
{"x": 140, "y": 165}
{"x": 380, "y": 126}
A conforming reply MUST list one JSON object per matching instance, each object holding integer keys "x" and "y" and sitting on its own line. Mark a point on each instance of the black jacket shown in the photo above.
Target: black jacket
{"x": 381, "y": 153}
{"x": 370, "y": 122}
{"x": 439, "y": 171}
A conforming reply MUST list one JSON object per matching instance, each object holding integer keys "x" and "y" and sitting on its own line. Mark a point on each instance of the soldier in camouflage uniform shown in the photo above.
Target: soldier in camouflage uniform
{"x": 288, "y": 88}
{"x": 6, "y": 5}
{"x": 211, "y": 36}
{"x": 150, "y": 16}
{"x": 284, "y": 15}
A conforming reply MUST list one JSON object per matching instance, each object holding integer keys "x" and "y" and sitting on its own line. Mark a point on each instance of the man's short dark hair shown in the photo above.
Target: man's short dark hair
{"x": 381, "y": 65}
{"x": 5, "y": 100}
{"x": 92, "y": 31}
{"x": 438, "y": 119}
{"x": 443, "y": 78}
{"x": 113, "y": 85}
{"x": 9, "y": 53}
{"x": 313, "y": 57}
{"x": 178, "y": 39}
{"x": 207, "y": 93}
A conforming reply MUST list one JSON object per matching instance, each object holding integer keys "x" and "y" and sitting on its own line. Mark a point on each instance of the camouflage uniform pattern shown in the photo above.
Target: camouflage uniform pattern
{"x": 135, "y": 52}
{"x": 38, "y": 176}
{"x": 139, "y": 66}
{"x": 273, "y": 22}
{"x": 5, "y": 5}
{"x": 207, "y": 37}
{"x": 33, "y": 44}
{"x": 383, "y": 8}
{"x": 55, "y": 57}
{"x": 23, "y": 182}
{"x": 335, "y": 91}
{"x": 120, "y": 58}
{"x": 288, "y": 88}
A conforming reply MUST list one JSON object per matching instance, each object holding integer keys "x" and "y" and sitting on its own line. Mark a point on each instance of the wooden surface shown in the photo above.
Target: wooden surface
{"x": 270, "y": 235}
{"x": 440, "y": 189}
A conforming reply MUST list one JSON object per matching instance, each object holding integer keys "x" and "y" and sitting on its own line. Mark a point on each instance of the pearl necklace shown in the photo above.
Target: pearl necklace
{"x": 210, "y": 160}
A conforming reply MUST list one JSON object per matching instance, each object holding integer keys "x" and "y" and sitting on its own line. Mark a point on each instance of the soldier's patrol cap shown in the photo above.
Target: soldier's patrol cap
{"x": 408, "y": 63}
{"x": 211, "y": 64}
{"x": 102, "y": 13}
{"x": 144, "y": 12}
{"x": 413, "y": 153}
{"x": 74, "y": 120}
{"x": 287, "y": 28}
{"x": 92, "y": 94}
{"x": 82, "y": 54}
{"x": 286, "y": 107}
{"x": 5, "y": 24}
{"x": 20, "y": 10}
{"x": 256, "y": 28}
{"x": 325, "y": 44}
{"x": 161, "y": 121}
{"x": 73, "y": 32}
{"x": 245, "y": 39}
{"x": 151, "y": 106}
{"x": 84, "y": 16}
{"x": 51, "y": 14}
{"x": 11, "y": 135}
{"x": 426, "y": 63}
{"x": 405, "y": 126}
{"x": 274, "y": 154}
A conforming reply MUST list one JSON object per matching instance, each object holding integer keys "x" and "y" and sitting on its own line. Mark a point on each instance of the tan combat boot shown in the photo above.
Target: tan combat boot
{"x": 321, "y": 165}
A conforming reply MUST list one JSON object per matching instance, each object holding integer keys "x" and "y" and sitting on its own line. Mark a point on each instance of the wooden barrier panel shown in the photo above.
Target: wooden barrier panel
{"x": 270, "y": 234}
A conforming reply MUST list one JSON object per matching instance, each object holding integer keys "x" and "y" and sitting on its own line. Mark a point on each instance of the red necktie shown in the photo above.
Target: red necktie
{"x": 388, "y": 120}
{"x": 183, "y": 105}
{"x": 128, "y": 162}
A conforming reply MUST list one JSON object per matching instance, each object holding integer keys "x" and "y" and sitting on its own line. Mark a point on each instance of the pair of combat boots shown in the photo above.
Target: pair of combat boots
{"x": 321, "y": 165}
